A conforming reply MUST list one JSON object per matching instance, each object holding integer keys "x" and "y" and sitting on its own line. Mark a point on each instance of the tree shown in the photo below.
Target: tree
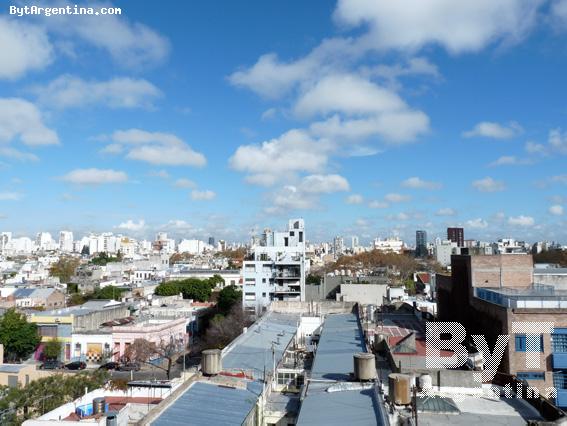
{"x": 216, "y": 280}
{"x": 167, "y": 289}
{"x": 109, "y": 292}
{"x": 52, "y": 349}
{"x": 191, "y": 288}
{"x": 64, "y": 268}
{"x": 76, "y": 299}
{"x": 224, "y": 329}
{"x": 228, "y": 297}
{"x": 19, "y": 337}
{"x": 141, "y": 350}
{"x": 313, "y": 279}
{"x": 86, "y": 251}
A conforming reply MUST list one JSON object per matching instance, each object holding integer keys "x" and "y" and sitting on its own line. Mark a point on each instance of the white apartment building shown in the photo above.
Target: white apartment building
{"x": 66, "y": 241}
{"x": 394, "y": 245}
{"x": 277, "y": 270}
{"x": 444, "y": 250}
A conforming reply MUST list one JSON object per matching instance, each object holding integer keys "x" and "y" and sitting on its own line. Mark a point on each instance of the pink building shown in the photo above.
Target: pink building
{"x": 155, "y": 330}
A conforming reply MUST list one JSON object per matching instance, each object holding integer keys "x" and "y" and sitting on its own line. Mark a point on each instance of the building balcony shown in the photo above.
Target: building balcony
{"x": 559, "y": 360}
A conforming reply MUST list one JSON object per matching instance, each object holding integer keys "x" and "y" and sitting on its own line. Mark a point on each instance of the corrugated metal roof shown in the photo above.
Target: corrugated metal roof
{"x": 252, "y": 350}
{"x": 209, "y": 404}
{"x": 341, "y": 338}
{"x": 11, "y": 368}
{"x": 550, "y": 271}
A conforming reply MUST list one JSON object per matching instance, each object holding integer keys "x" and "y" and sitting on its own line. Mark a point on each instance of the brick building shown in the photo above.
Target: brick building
{"x": 486, "y": 294}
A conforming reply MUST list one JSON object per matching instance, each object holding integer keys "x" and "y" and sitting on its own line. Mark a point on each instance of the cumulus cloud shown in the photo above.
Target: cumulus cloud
{"x": 205, "y": 195}
{"x": 558, "y": 141}
{"x": 130, "y": 225}
{"x": 535, "y": 148}
{"x": 69, "y": 91}
{"x": 25, "y": 48}
{"x": 21, "y": 121}
{"x": 95, "y": 176}
{"x": 185, "y": 183}
{"x": 130, "y": 44}
{"x": 156, "y": 148}
{"x": 458, "y": 27}
{"x": 355, "y": 199}
{"x": 163, "y": 174}
{"x": 418, "y": 183}
{"x": 521, "y": 221}
{"x": 368, "y": 109}
{"x": 324, "y": 184}
{"x": 10, "y": 196}
{"x": 447, "y": 211}
{"x": 16, "y": 154}
{"x": 556, "y": 210}
{"x": 509, "y": 160}
{"x": 488, "y": 129}
{"x": 477, "y": 223}
{"x": 294, "y": 151}
{"x": 396, "y": 198}
{"x": 375, "y": 204}
{"x": 488, "y": 185}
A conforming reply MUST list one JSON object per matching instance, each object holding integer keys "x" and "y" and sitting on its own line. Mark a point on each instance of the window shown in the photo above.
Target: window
{"x": 520, "y": 341}
{"x": 530, "y": 375}
{"x": 559, "y": 340}
{"x": 249, "y": 296}
{"x": 263, "y": 280}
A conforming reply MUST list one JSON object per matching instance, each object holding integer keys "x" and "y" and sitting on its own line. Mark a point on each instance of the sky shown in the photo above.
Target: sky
{"x": 220, "y": 118}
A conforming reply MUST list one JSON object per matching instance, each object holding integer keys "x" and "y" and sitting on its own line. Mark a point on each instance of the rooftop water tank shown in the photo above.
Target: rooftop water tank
{"x": 399, "y": 389}
{"x": 425, "y": 382}
{"x": 211, "y": 363}
{"x": 364, "y": 367}
{"x": 99, "y": 405}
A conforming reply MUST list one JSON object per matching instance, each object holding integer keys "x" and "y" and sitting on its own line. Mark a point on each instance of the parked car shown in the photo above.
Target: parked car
{"x": 76, "y": 365}
{"x": 51, "y": 364}
{"x": 109, "y": 366}
{"x": 129, "y": 366}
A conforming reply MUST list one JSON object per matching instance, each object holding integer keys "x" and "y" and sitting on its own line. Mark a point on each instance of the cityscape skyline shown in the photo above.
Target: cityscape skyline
{"x": 177, "y": 125}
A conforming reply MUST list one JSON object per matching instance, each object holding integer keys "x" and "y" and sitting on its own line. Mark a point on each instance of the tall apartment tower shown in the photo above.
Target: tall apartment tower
{"x": 66, "y": 241}
{"x": 456, "y": 235}
{"x": 420, "y": 243}
{"x": 277, "y": 270}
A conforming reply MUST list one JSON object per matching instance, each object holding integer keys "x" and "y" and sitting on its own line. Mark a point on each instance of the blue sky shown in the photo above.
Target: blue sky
{"x": 366, "y": 118}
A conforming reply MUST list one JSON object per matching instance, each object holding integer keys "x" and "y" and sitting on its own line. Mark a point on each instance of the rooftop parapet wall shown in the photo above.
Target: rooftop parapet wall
{"x": 313, "y": 308}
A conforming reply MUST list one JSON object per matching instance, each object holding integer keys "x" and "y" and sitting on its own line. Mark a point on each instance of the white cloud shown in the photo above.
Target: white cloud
{"x": 355, "y": 199}
{"x": 294, "y": 151}
{"x": 488, "y": 185}
{"x": 163, "y": 174}
{"x": 456, "y": 26}
{"x": 509, "y": 160}
{"x": 391, "y": 73}
{"x": 24, "y": 48}
{"x": 558, "y": 141}
{"x": 556, "y": 210}
{"x": 369, "y": 108}
{"x": 205, "y": 195}
{"x": 130, "y": 225}
{"x": 185, "y": 183}
{"x": 521, "y": 221}
{"x": 68, "y": 91}
{"x": 292, "y": 198}
{"x": 477, "y": 223}
{"x": 10, "y": 196}
{"x": 493, "y": 130}
{"x": 130, "y": 44}
{"x": 559, "y": 12}
{"x": 399, "y": 216}
{"x": 269, "y": 114}
{"x": 16, "y": 154}
{"x": 447, "y": 211}
{"x": 418, "y": 183}
{"x": 21, "y": 120}
{"x": 535, "y": 148}
{"x": 324, "y": 184}
{"x": 95, "y": 176}
{"x": 559, "y": 179}
{"x": 155, "y": 148}
{"x": 378, "y": 205}
{"x": 396, "y": 198}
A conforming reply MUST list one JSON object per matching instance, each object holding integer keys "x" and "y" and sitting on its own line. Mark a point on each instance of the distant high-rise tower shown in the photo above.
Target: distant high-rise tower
{"x": 212, "y": 241}
{"x": 354, "y": 242}
{"x": 456, "y": 235}
{"x": 420, "y": 243}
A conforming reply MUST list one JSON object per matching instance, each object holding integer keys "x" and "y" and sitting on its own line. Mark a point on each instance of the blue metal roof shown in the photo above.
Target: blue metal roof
{"x": 209, "y": 404}
{"x": 340, "y": 339}
{"x": 252, "y": 351}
